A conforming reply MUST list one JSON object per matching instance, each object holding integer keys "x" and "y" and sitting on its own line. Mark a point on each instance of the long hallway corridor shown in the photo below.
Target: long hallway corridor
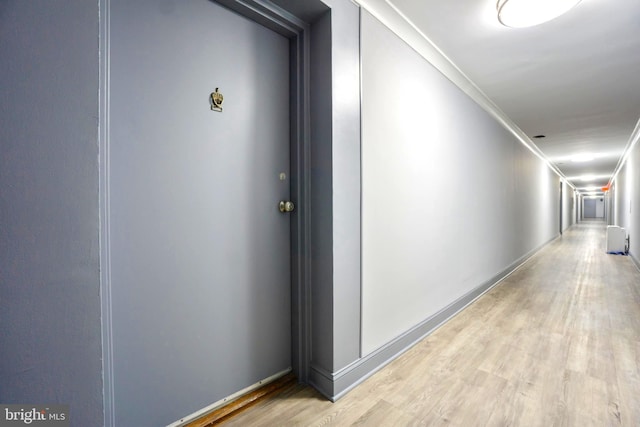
{"x": 556, "y": 343}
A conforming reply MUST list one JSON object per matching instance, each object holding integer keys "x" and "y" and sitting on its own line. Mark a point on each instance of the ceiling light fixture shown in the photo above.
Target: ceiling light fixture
{"x": 588, "y": 188}
{"x": 589, "y": 177}
{"x": 527, "y": 13}
{"x": 582, "y": 158}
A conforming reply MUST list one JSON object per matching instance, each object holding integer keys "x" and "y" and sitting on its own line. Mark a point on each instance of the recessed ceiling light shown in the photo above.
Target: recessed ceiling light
{"x": 582, "y": 158}
{"x": 527, "y": 13}
{"x": 591, "y": 177}
{"x": 588, "y": 177}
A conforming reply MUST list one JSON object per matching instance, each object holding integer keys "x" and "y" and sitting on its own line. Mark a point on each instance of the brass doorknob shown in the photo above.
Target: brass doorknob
{"x": 286, "y": 206}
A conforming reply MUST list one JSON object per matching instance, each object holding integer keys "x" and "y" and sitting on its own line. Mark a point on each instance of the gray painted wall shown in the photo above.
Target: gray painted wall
{"x": 50, "y": 346}
{"x": 321, "y": 200}
{"x": 335, "y": 181}
{"x": 345, "y": 92}
{"x": 450, "y": 198}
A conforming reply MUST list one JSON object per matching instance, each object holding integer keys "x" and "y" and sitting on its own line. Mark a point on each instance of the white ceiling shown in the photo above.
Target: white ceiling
{"x": 575, "y": 79}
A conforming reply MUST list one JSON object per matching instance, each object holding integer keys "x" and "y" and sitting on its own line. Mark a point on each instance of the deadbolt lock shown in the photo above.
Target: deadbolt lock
{"x": 286, "y": 206}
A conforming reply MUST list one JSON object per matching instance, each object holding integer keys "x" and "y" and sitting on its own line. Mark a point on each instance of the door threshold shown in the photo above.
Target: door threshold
{"x": 236, "y": 403}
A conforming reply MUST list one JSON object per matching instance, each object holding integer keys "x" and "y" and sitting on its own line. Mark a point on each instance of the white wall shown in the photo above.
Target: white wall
{"x": 450, "y": 197}
{"x": 600, "y": 207}
{"x": 609, "y": 206}
{"x": 627, "y": 199}
{"x": 568, "y": 206}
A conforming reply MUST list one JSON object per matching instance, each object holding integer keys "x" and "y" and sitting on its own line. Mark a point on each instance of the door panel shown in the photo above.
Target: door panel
{"x": 589, "y": 208}
{"x": 200, "y": 256}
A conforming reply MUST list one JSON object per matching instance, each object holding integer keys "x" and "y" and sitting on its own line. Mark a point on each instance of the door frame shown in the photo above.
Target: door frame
{"x": 298, "y": 32}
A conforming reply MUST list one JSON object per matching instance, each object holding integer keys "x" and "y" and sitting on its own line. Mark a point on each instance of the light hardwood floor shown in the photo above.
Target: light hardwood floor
{"x": 557, "y": 343}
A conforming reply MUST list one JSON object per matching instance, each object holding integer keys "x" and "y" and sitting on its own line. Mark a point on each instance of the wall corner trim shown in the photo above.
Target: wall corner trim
{"x": 104, "y": 211}
{"x": 334, "y": 385}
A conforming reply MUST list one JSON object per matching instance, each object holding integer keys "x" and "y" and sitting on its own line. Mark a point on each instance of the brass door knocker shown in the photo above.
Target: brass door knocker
{"x": 216, "y": 100}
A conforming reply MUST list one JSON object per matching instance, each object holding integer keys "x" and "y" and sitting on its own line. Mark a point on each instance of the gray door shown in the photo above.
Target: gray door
{"x": 589, "y": 208}
{"x": 200, "y": 254}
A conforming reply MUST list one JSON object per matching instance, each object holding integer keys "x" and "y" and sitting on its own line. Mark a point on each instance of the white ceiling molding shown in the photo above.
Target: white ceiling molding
{"x": 387, "y": 13}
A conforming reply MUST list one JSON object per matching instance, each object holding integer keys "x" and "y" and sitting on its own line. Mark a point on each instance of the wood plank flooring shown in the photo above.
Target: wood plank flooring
{"x": 557, "y": 343}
